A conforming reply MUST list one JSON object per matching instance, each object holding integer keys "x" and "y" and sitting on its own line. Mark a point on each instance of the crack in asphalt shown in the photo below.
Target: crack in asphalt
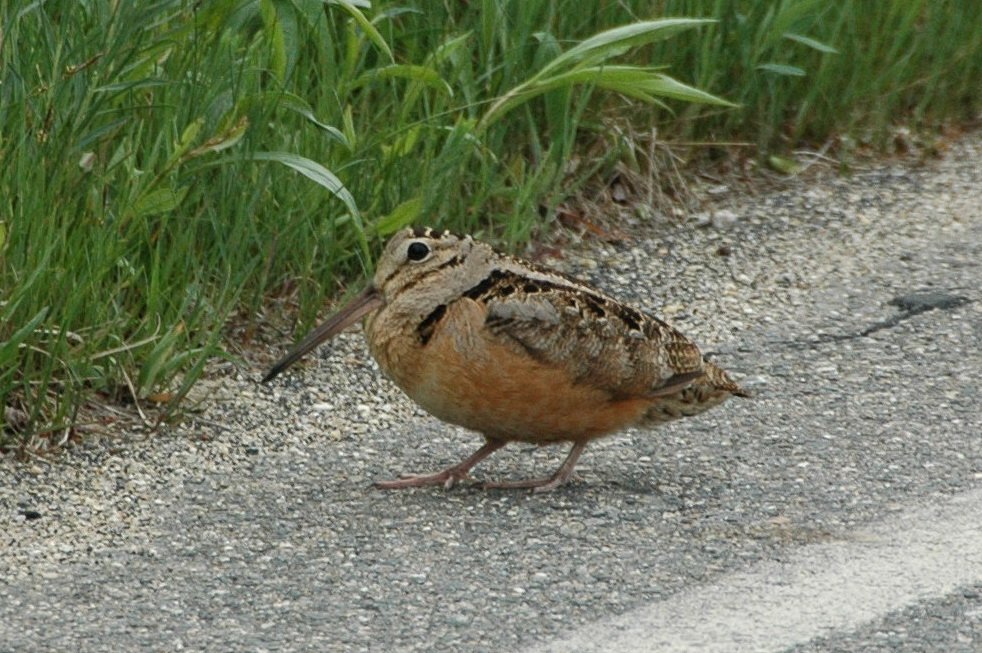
{"x": 910, "y": 305}
{"x": 915, "y": 304}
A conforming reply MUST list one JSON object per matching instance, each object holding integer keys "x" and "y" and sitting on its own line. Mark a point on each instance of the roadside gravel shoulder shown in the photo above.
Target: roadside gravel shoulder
{"x": 253, "y": 524}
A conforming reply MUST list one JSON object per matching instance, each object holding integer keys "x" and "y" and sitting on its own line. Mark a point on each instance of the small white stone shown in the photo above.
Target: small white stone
{"x": 724, "y": 219}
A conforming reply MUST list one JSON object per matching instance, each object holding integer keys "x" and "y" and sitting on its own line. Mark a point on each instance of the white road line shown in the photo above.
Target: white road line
{"x": 817, "y": 590}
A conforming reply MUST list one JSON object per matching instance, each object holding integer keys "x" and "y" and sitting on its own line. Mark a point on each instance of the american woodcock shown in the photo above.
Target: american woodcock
{"x": 517, "y": 352}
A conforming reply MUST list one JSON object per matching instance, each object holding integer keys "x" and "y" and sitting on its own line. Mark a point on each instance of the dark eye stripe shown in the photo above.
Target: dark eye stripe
{"x": 449, "y": 263}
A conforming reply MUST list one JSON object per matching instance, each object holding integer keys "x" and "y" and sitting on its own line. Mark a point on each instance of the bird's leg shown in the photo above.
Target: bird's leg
{"x": 561, "y": 476}
{"x": 448, "y": 476}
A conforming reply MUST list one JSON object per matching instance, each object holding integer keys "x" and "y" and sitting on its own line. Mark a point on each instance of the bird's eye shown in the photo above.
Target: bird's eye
{"x": 417, "y": 251}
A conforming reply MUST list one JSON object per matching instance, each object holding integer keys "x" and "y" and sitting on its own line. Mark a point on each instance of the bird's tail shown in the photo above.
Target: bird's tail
{"x": 717, "y": 377}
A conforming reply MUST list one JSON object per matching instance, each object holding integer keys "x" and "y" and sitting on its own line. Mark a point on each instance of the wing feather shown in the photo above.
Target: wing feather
{"x": 598, "y": 340}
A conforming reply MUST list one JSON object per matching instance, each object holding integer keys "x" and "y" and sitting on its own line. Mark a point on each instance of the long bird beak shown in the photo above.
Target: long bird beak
{"x": 364, "y": 303}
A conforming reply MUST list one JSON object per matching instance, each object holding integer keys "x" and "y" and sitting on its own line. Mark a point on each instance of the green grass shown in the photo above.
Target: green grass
{"x": 167, "y": 165}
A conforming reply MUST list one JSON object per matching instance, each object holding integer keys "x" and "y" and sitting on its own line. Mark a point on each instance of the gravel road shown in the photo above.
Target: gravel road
{"x": 852, "y": 307}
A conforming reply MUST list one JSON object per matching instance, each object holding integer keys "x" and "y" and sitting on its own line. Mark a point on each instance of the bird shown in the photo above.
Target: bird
{"x": 517, "y": 352}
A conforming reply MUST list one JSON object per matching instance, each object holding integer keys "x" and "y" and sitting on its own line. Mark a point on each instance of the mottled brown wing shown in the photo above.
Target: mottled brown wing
{"x": 598, "y": 340}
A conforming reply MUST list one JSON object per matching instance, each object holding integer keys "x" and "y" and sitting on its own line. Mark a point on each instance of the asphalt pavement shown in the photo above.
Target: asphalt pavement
{"x": 840, "y": 509}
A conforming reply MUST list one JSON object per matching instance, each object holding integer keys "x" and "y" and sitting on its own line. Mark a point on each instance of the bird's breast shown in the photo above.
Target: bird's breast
{"x": 465, "y": 375}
